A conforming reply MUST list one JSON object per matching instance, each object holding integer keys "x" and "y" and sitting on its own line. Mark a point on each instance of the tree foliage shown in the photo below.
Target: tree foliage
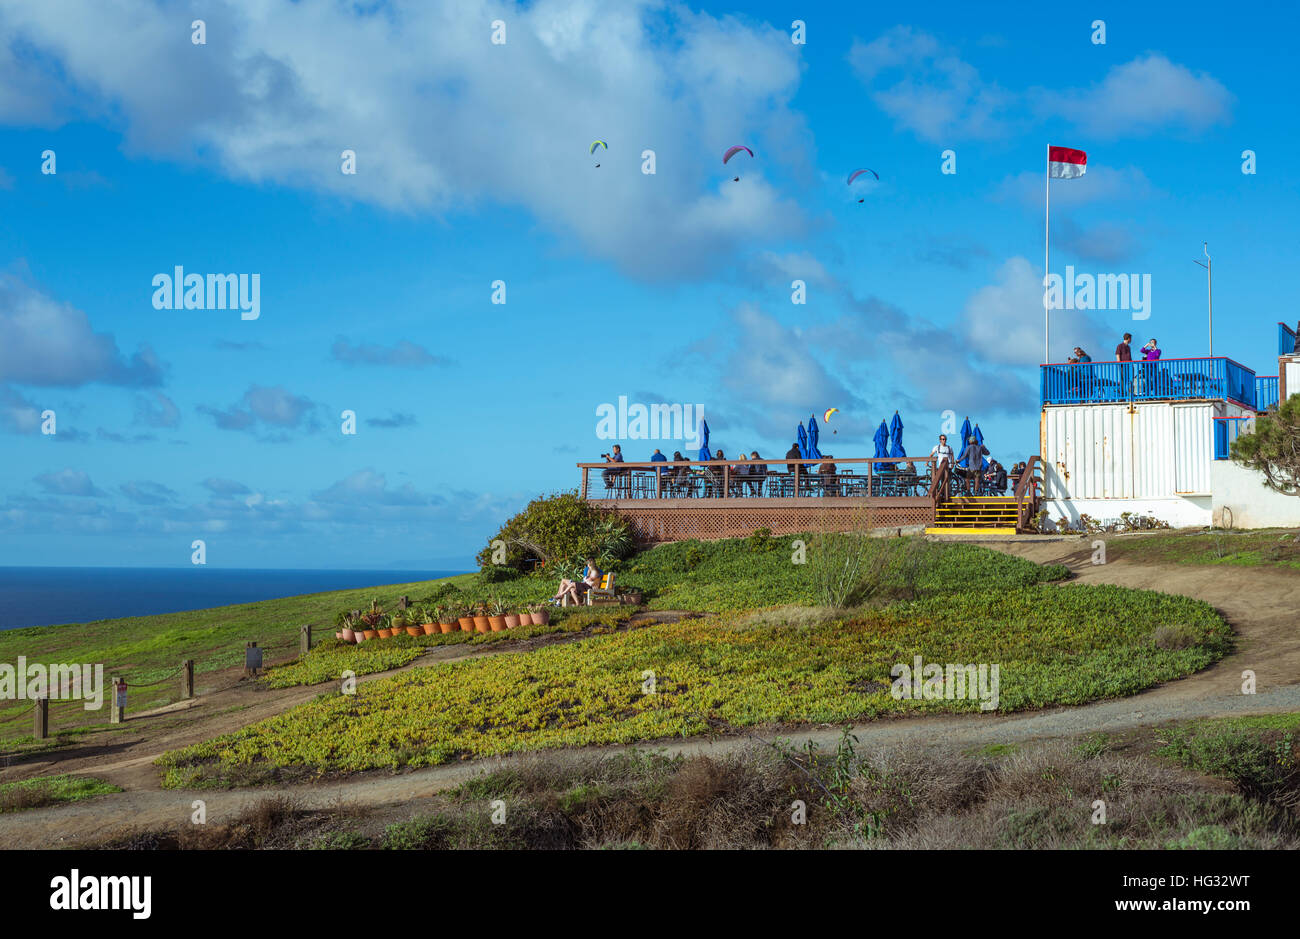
{"x": 560, "y": 531}
{"x": 1274, "y": 448}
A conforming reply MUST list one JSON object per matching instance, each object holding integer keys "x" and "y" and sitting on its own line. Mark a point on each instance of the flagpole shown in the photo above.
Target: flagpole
{"x": 1047, "y": 230}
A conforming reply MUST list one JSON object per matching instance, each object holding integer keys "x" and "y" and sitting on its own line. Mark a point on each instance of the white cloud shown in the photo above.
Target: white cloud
{"x": 68, "y": 482}
{"x": 1148, "y": 95}
{"x": 402, "y": 354}
{"x": 263, "y": 408}
{"x": 929, "y": 90}
{"x": 48, "y": 343}
{"x": 440, "y": 118}
{"x": 1003, "y": 321}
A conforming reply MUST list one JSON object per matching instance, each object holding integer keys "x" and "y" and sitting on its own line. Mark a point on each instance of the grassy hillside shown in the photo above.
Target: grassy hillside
{"x": 786, "y": 666}
{"x": 701, "y": 576}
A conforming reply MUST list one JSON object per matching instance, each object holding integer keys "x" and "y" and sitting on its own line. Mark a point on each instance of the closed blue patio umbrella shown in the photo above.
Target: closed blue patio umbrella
{"x": 813, "y": 433}
{"x": 962, "y": 443}
{"x": 896, "y": 437}
{"x": 704, "y": 441}
{"x": 802, "y": 436}
{"x": 881, "y": 440}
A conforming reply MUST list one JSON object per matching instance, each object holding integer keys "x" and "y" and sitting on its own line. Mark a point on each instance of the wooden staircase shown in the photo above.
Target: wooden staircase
{"x": 976, "y": 515}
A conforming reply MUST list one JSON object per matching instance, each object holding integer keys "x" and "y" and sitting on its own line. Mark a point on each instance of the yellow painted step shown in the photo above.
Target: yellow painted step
{"x": 970, "y": 531}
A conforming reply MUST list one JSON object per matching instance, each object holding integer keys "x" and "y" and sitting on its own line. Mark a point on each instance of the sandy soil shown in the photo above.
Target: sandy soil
{"x": 1261, "y": 605}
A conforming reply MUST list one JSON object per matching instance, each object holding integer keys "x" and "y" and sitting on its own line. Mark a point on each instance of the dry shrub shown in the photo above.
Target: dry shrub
{"x": 1171, "y": 638}
{"x": 790, "y": 616}
{"x": 251, "y": 828}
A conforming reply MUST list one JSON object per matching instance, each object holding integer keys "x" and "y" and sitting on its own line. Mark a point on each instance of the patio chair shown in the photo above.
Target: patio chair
{"x": 602, "y": 591}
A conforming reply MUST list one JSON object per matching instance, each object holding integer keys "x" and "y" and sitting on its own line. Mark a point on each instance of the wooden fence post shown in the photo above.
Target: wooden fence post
{"x": 117, "y": 705}
{"x": 252, "y": 659}
{"x": 187, "y": 679}
{"x": 796, "y": 480}
{"x": 304, "y": 636}
{"x": 41, "y": 720}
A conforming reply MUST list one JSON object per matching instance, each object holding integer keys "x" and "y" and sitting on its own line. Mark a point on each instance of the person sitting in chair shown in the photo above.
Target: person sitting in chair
{"x": 830, "y": 485}
{"x": 571, "y": 590}
{"x": 611, "y": 475}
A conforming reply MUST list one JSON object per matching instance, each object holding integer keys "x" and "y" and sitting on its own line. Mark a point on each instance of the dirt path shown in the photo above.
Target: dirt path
{"x": 1260, "y": 604}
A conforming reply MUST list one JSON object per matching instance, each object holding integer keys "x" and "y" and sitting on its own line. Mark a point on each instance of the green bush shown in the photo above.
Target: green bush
{"x": 559, "y": 531}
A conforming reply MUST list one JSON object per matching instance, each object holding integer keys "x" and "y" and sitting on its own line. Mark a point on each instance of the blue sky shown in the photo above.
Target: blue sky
{"x": 472, "y": 167}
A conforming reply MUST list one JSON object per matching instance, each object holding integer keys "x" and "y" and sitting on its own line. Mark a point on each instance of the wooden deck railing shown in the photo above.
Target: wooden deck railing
{"x": 884, "y": 477}
{"x": 1026, "y": 493}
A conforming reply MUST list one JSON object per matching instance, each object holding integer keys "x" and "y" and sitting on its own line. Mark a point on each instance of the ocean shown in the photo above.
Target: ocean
{"x": 41, "y": 596}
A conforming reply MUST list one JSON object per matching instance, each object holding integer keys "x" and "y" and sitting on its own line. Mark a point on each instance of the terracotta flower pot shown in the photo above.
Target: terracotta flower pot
{"x": 448, "y": 627}
{"x": 429, "y": 629}
{"x": 466, "y": 623}
{"x": 481, "y": 624}
{"x": 384, "y": 633}
{"x": 512, "y": 621}
{"x": 525, "y": 619}
{"x": 415, "y": 630}
{"x": 369, "y": 633}
{"x": 542, "y": 617}
{"x": 347, "y": 635}
{"x": 498, "y": 623}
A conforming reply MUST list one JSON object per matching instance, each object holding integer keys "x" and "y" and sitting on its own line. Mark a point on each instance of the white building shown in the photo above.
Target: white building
{"x": 1152, "y": 439}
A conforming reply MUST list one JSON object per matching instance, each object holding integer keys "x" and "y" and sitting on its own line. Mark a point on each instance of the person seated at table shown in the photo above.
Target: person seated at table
{"x": 571, "y": 590}
{"x": 610, "y": 476}
{"x": 830, "y": 486}
{"x": 996, "y": 477}
{"x": 757, "y": 475}
{"x": 792, "y": 454}
{"x": 680, "y": 474}
{"x": 713, "y": 475}
{"x": 907, "y": 476}
{"x": 738, "y": 473}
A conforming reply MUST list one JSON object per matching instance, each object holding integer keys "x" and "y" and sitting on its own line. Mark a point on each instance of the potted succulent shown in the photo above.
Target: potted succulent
{"x": 345, "y": 622}
{"x": 371, "y": 620}
{"x": 481, "y": 621}
{"x": 446, "y": 617}
{"x": 465, "y": 619}
{"x": 386, "y": 625}
{"x": 428, "y": 620}
{"x": 525, "y": 617}
{"x": 415, "y": 620}
{"x": 497, "y": 615}
{"x": 541, "y": 614}
{"x": 513, "y": 619}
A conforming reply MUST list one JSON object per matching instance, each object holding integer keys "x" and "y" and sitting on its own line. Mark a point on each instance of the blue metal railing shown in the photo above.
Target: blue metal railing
{"x": 1226, "y": 430}
{"x": 1285, "y": 339}
{"x": 1265, "y": 392}
{"x": 1098, "y": 382}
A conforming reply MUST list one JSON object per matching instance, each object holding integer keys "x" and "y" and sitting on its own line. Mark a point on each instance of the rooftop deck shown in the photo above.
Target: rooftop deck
{"x": 1162, "y": 380}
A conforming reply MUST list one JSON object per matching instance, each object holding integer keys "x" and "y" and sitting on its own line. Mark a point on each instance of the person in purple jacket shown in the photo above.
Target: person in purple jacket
{"x": 1149, "y": 378}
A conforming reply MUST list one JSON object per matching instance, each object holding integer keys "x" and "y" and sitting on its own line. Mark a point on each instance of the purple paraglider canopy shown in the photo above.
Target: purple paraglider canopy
{"x": 732, "y": 151}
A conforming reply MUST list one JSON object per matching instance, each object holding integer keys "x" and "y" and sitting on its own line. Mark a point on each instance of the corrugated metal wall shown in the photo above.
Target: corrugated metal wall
{"x": 1148, "y": 450}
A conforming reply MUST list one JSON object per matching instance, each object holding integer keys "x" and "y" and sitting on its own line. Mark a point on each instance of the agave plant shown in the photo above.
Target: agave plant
{"x": 498, "y": 607}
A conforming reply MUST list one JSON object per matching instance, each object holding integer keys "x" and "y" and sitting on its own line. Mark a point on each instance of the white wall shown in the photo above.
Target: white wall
{"x": 1146, "y": 450}
{"x": 1178, "y": 512}
{"x": 1249, "y": 502}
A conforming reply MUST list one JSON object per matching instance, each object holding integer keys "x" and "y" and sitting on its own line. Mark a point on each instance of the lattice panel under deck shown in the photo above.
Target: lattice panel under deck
{"x": 679, "y": 519}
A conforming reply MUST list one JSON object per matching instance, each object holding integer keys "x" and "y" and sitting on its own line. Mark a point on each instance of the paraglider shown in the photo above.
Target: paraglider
{"x": 594, "y": 145}
{"x": 856, "y": 173}
{"x": 826, "y": 418}
{"x": 731, "y": 152}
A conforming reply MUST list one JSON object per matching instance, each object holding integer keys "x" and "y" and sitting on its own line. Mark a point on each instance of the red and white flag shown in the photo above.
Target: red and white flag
{"x": 1064, "y": 163}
